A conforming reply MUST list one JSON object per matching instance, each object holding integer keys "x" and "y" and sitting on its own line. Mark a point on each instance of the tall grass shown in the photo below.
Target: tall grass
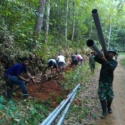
{"x": 122, "y": 61}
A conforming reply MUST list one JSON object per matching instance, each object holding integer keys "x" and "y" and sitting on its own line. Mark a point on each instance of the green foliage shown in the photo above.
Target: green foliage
{"x": 20, "y": 16}
{"x": 1, "y": 106}
{"x": 23, "y": 112}
{"x": 58, "y": 99}
{"x": 2, "y": 100}
{"x": 122, "y": 61}
{"x": 94, "y": 115}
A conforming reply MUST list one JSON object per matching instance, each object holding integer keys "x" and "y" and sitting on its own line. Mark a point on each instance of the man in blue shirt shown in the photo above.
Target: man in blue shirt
{"x": 13, "y": 76}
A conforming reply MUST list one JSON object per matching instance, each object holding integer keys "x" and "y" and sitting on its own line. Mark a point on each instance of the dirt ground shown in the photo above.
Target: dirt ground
{"x": 118, "y": 105}
{"x": 47, "y": 90}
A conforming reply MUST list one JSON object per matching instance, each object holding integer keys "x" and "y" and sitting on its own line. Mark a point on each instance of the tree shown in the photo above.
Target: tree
{"x": 66, "y": 21}
{"x": 47, "y": 20}
{"x": 40, "y": 15}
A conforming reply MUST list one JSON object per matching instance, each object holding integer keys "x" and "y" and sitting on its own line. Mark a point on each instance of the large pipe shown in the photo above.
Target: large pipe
{"x": 60, "y": 109}
{"x": 90, "y": 43}
{"x": 99, "y": 30}
{"x": 55, "y": 113}
{"x": 65, "y": 111}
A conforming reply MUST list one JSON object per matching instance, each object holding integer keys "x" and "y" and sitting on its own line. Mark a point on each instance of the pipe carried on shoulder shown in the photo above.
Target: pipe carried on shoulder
{"x": 99, "y": 30}
{"x": 90, "y": 43}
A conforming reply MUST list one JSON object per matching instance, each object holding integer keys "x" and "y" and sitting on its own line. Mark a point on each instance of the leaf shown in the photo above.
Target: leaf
{"x": 16, "y": 115}
{"x": 94, "y": 115}
{"x": 33, "y": 111}
{"x": 13, "y": 108}
{"x": 2, "y": 121}
{"x": 17, "y": 120}
{"x": 8, "y": 112}
{"x": 1, "y": 106}
{"x": 2, "y": 99}
{"x": 11, "y": 102}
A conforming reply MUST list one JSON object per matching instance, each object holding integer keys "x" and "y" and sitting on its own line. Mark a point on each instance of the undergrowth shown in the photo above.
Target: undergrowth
{"x": 27, "y": 112}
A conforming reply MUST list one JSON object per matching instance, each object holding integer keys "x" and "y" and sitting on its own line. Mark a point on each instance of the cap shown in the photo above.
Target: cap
{"x": 112, "y": 50}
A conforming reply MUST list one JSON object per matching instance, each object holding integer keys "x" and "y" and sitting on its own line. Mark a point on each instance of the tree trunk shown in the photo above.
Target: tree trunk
{"x": 66, "y": 22}
{"x": 109, "y": 34}
{"x": 73, "y": 28}
{"x": 39, "y": 20}
{"x": 47, "y": 20}
{"x": 90, "y": 33}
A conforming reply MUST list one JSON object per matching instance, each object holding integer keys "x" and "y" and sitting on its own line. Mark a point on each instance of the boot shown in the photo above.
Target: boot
{"x": 109, "y": 106}
{"x": 103, "y": 104}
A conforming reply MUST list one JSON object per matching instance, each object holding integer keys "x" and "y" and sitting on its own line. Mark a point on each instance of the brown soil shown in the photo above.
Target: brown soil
{"x": 118, "y": 105}
{"x": 47, "y": 90}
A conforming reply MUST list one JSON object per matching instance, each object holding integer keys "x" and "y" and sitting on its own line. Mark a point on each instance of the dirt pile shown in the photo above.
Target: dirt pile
{"x": 50, "y": 91}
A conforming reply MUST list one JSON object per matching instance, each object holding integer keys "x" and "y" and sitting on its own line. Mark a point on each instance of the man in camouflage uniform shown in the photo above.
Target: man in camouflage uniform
{"x": 105, "y": 88}
{"x": 92, "y": 61}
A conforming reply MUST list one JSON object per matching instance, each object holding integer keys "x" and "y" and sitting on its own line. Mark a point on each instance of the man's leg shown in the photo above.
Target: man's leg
{"x": 110, "y": 96}
{"x": 71, "y": 64}
{"x": 91, "y": 67}
{"x": 109, "y": 106}
{"x": 63, "y": 66}
{"x": 9, "y": 89}
{"x": 59, "y": 66}
{"x": 81, "y": 60}
{"x": 102, "y": 97}
{"x": 103, "y": 105}
{"x": 19, "y": 82}
{"x": 44, "y": 71}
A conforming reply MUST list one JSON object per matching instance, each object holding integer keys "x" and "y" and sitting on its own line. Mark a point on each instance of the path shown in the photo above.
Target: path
{"x": 118, "y": 106}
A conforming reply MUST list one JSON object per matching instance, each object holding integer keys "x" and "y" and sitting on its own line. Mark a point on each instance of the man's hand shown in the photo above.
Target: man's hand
{"x": 33, "y": 80}
{"x": 28, "y": 80}
{"x": 104, "y": 59}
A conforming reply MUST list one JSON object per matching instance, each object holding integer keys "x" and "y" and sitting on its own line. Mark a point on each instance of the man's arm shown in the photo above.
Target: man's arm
{"x": 111, "y": 66}
{"x": 44, "y": 71}
{"x": 22, "y": 78}
{"x": 30, "y": 77}
{"x": 99, "y": 59}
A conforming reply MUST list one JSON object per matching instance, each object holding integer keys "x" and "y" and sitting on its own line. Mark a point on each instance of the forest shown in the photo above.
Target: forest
{"x": 40, "y": 30}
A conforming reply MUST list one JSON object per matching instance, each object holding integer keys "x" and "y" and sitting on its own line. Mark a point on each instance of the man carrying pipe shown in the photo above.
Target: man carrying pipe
{"x": 105, "y": 88}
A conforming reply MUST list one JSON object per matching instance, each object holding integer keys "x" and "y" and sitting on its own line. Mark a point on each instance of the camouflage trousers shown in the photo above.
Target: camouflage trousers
{"x": 92, "y": 66}
{"x": 105, "y": 91}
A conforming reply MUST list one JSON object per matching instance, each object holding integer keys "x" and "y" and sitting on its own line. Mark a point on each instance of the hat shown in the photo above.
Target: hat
{"x": 112, "y": 50}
